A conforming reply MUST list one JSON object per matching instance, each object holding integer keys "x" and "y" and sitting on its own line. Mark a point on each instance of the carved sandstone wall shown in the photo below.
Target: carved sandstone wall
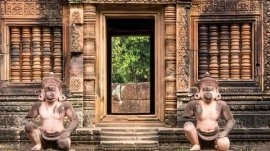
{"x": 178, "y": 44}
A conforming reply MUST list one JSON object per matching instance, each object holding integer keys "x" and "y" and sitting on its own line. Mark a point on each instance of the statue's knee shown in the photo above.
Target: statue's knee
{"x": 63, "y": 143}
{"x": 223, "y": 144}
{"x": 29, "y": 127}
{"x": 188, "y": 126}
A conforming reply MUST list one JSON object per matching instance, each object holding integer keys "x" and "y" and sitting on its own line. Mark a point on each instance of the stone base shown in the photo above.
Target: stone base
{"x": 169, "y": 139}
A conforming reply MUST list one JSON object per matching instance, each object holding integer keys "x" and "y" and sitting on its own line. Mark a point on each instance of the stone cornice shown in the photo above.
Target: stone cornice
{"x": 225, "y": 7}
{"x": 49, "y": 9}
{"x": 130, "y": 1}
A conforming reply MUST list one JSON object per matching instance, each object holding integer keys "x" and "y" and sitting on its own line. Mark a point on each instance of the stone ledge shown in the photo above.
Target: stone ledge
{"x": 241, "y": 139}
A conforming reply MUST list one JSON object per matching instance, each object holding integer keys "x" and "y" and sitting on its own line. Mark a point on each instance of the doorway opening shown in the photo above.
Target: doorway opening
{"x": 131, "y": 67}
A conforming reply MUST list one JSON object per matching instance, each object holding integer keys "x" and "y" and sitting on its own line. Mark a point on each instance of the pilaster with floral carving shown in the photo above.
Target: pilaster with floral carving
{"x": 89, "y": 64}
{"x": 76, "y": 56}
{"x": 182, "y": 54}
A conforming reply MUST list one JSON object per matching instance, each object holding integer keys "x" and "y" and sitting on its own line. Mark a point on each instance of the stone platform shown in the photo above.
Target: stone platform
{"x": 136, "y": 139}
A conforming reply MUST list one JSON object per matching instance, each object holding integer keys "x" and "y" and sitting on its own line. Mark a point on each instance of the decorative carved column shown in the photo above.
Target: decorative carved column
{"x": 26, "y": 55}
{"x": 15, "y": 54}
{"x": 36, "y": 34}
{"x": 89, "y": 65}
{"x": 246, "y": 52}
{"x": 224, "y": 52}
{"x": 170, "y": 65}
{"x": 235, "y": 51}
{"x": 182, "y": 56}
{"x": 203, "y": 61}
{"x": 46, "y": 52}
{"x": 57, "y": 52}
{"x": 213, "y": 51}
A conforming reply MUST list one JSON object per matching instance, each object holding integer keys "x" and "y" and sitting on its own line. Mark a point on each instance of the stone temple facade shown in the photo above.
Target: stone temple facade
{"x": 228, "y": 38}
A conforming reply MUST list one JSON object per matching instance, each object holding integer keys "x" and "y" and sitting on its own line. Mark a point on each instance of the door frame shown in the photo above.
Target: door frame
{"x": 101, "y": 101}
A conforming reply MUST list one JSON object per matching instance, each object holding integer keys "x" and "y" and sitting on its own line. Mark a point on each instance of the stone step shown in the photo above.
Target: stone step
{"x": 130, "y": 138}
{"x": 129, "y": 145}
{"x": 132, "y": 133}
{"x": 129, "y": 142}
{"x": 125, "y": 128}
{"x": 130, "y": 130}
{"x": 129, "y": 134}
{"x": 130, "y": 124}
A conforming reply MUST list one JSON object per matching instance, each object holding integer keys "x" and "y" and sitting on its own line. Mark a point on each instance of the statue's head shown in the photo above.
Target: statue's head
{"x": 51, "y": 89}
{"x": 208, "y": 89}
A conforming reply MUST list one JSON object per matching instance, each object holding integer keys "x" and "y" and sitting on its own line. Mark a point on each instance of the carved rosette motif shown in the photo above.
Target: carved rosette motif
{"x": 89, "y": 60}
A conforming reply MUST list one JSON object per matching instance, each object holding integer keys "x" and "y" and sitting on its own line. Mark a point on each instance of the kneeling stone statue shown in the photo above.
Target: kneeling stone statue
{"x": 52, "y": 109}
{"x": 207, "y": 108}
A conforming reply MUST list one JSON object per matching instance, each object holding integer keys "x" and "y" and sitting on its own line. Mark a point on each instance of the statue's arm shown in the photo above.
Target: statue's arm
{"x": 227, "y": 114}
{"x": 72, "y": 116}
{"x": 34, "y": 111}
{"x": 189, "y": 109}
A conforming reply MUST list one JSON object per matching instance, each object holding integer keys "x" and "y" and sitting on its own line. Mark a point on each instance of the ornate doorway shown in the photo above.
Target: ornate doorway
{"x": 148, "y": 27}
{"x": 130, "y": 62}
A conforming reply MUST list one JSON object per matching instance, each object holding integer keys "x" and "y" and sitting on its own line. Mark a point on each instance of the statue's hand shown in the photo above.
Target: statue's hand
{"x": 222, "y": 134}
{"x": 66, "y": 134}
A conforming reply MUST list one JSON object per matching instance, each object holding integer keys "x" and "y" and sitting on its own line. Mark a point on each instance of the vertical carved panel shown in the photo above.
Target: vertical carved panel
{"x": 246, "y": 52}
{"x": 76, "y": 43}
{"x": 203, "y": 63}
{"x": 46, "y": 52}
{"x": 213, "y": 51}
{"x": 182, "y": 53}
{"x": 26, "y": 55}
{"x": 182, "y": 56}
{"x": 57, "y": 52}
{"x": 36, "y": 34}
{"x": 15, "y": 54}
{"x": 235, "y": 51}
{"x": 224, "y": 52}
